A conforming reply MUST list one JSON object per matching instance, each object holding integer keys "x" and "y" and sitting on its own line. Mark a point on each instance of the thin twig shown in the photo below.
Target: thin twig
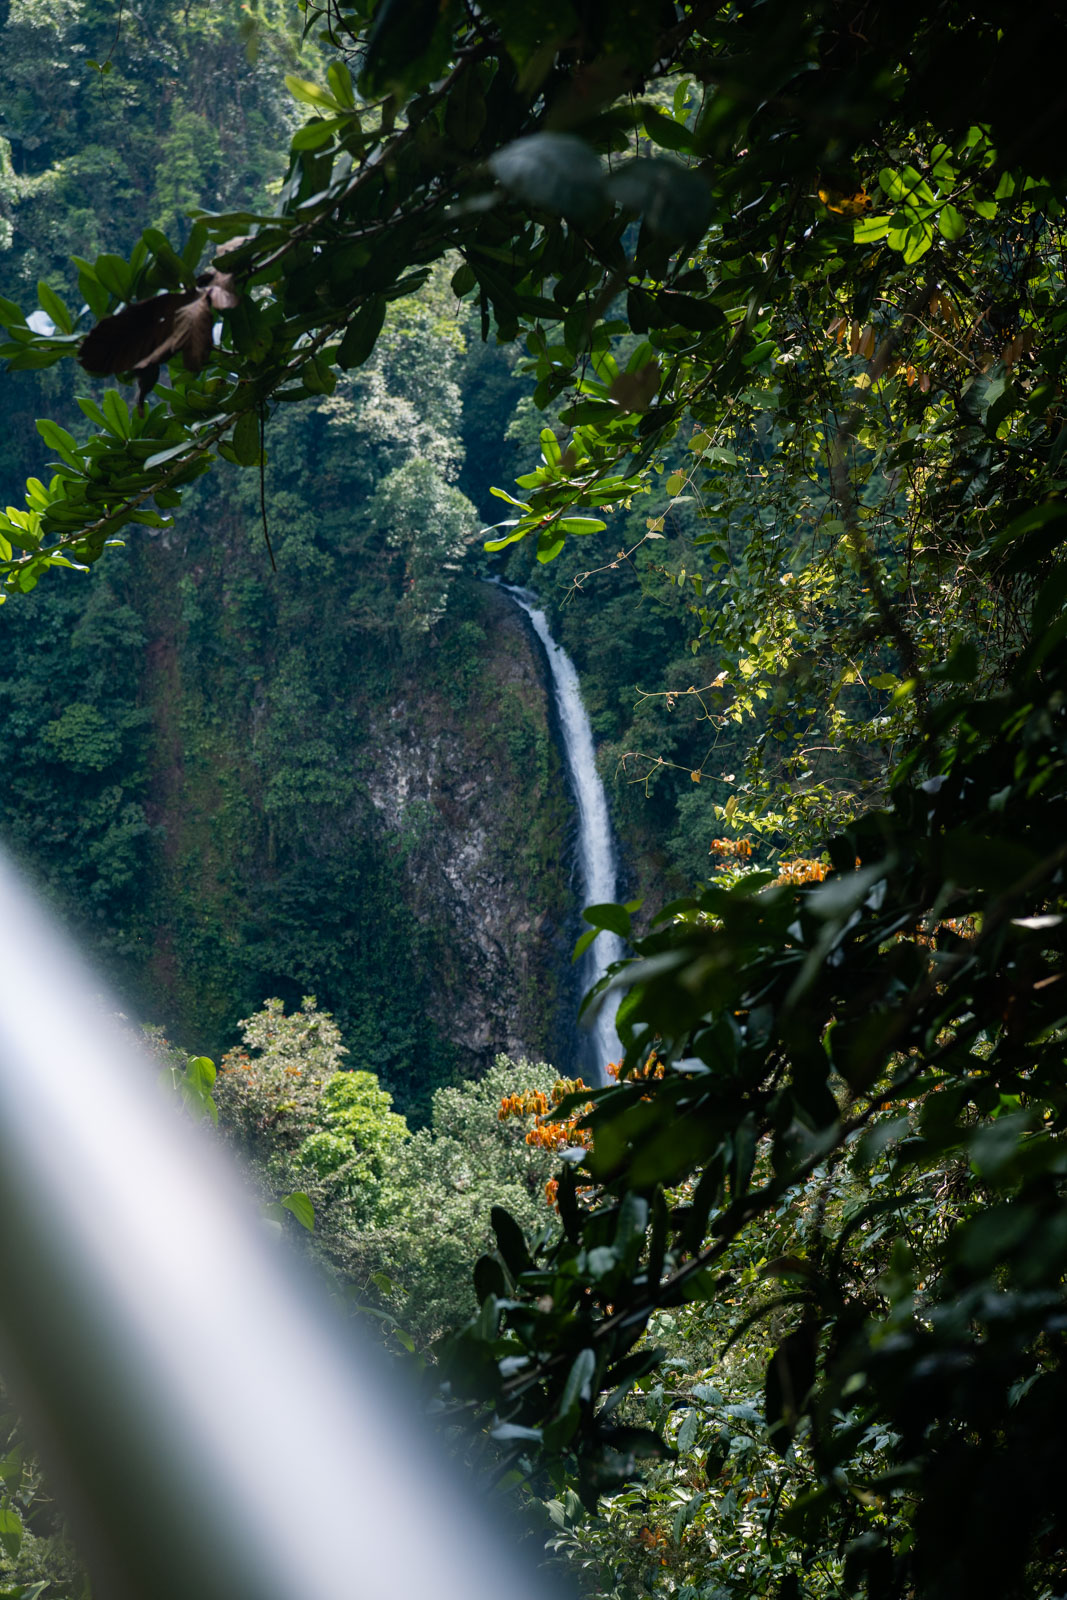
{"x": 118, "y": 32}
{"x": 263, "y": 480}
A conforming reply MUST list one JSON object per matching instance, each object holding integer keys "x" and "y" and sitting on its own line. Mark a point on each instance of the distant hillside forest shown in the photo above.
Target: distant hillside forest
{"x": 207, "y": 763}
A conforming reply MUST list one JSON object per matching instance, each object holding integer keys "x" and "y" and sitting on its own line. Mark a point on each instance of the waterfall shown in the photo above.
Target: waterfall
{"x": 596, "y": 839}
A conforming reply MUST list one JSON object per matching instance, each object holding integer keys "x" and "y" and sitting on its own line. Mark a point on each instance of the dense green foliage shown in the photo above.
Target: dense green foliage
{"x": 397, "y": 1217}
{"x": 198, "y": 758}
{"x": 111, "y": 123}
{"x": 797, "y": 312}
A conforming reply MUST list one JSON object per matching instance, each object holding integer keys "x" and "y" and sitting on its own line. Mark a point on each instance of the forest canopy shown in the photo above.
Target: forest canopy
{"x": 789, "y": 279}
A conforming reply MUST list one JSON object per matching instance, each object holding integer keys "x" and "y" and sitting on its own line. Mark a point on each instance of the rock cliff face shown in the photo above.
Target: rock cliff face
{"x": 471, "y": 798}
{"x": 387, "y": 829}
{"x": 237, "y": 786}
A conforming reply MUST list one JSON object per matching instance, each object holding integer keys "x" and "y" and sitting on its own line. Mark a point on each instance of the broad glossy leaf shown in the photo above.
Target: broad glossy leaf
{"x": 10, "y": 1532}
{"x": 674, "y": 201}
{"x": 312, "y": 94}
{"x": 869, "y": 230}
{"x": 115, "y": 275}
{"x": 60, "y": 440}
{"x": 117, "y": 413}
{"x": 510, "y": 1241}
{"x": 614, "y": 917}
{"x": 246, "y": 439}
{"x": 579, "y": 1382}
{"x": 555, "y": 172}
{"x": 952, "y": 225}
{"x": 53, "y": 305}
{"x": 788, "y": 1383}
{"x": 362, "y": 333}
{"x": 667, "y": 131}
{"x": 299, "y": 1206}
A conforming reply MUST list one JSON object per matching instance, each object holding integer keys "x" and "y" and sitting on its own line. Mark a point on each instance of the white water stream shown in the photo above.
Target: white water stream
{"x": 596, "y": 839}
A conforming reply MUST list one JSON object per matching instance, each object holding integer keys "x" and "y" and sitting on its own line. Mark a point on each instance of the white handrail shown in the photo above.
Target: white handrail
{"x": 217, "y": 1429}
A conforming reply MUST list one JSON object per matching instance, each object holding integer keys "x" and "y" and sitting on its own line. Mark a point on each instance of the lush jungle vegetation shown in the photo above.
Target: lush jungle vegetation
{"x": 744, "y": 327}
{"x": 238, "y": 784}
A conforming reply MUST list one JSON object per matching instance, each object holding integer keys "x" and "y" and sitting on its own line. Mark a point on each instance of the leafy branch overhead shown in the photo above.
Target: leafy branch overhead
{"x": 522, "y": 144}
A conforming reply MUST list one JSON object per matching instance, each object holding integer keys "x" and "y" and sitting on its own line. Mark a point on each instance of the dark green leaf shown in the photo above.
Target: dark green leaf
{"x": 673, "y": 201}
{"x": 362, "y": 333}
{"x": 579, "y": 1382}
{"x": 510, "y": 1241}
{"x": 489, "y": 1278}
{"x": 10, "y": 1532}
{"x": 788, "y": 1383}
{"x": 53, "y": 305}
{"x": 115, "y": 275}
{"x": 665, "y": 131}
{"x": 246, "y": 439}
{"x": 555, "y": 172}
{"x": 615, "y": 918}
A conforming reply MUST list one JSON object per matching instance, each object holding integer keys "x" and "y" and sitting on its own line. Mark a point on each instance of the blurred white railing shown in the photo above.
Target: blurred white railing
{"x": 211, "y": 1422}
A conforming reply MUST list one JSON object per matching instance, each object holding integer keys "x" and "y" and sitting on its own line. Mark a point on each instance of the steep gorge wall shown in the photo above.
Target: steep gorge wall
{"x": 231, "y": 792}
{"x": 474, "y": 798}
{"x": 386, "y": 829}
